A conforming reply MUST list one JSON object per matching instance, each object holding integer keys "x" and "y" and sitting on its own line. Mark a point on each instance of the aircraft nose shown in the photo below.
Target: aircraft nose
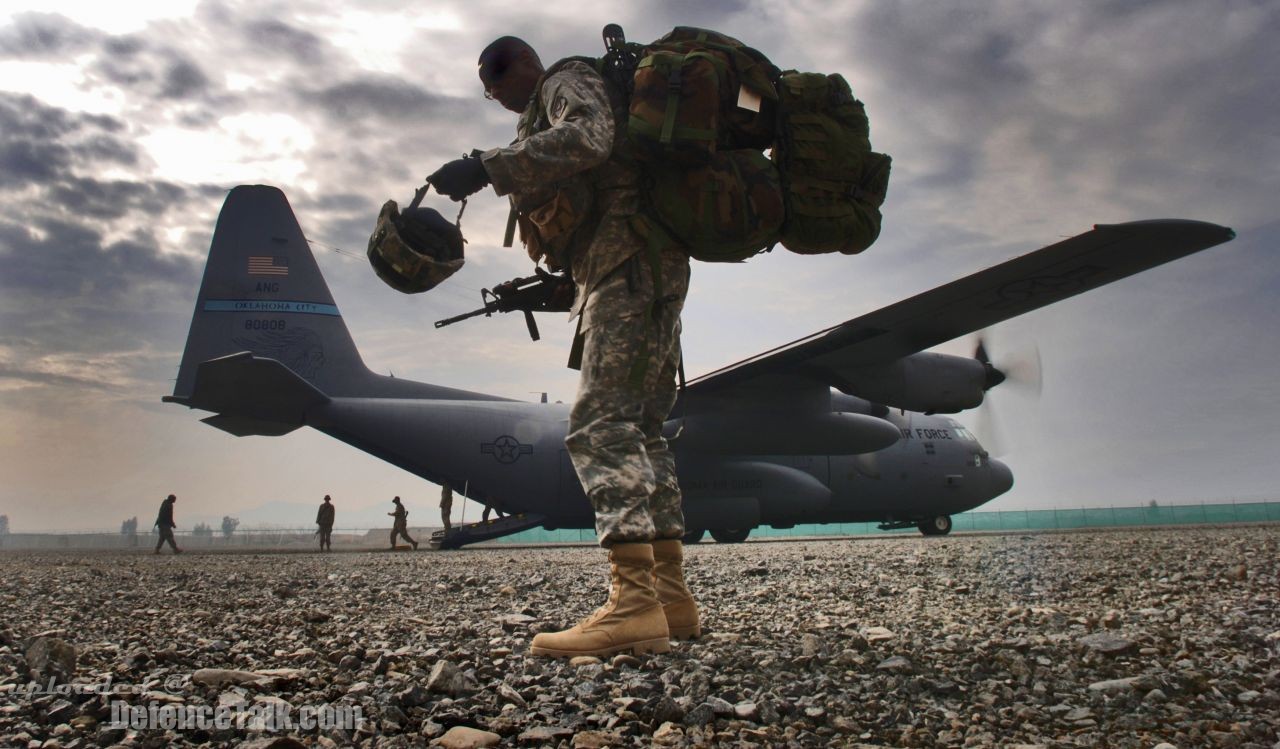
{"x": 999, "y": 478}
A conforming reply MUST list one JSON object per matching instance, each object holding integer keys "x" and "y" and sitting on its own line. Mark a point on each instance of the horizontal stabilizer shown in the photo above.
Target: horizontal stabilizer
{"x": 251, "y": 395}
{"x": 245, "y": 427}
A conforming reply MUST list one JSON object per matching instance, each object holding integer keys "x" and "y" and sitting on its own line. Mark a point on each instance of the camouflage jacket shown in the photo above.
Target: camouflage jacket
{"x": 325, "y": 515}
{"x": 565, "y": 172}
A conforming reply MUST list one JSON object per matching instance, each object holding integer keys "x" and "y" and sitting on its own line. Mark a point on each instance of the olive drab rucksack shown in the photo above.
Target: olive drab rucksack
{"x": 695, "y": 92}
{"x": 701, "y": 108}
{"x": 833, "y": 182}
{"x": 700, "y": 111}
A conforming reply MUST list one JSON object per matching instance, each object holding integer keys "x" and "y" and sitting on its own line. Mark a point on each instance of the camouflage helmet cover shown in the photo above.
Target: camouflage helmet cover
{"x": 414, "y": 250}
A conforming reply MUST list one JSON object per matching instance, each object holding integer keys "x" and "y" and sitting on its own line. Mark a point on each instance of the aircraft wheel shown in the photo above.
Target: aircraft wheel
{"x": 936, "y": 526}
{"x": 730, "y": 536}
{"x": 693, "y": 537}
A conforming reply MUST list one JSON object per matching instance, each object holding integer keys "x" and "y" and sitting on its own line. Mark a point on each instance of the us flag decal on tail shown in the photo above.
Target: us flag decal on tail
{"x": 268, "y": 266}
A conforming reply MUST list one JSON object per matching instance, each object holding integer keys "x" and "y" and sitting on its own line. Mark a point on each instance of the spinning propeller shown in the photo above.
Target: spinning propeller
{"x": 1021, "y": 371}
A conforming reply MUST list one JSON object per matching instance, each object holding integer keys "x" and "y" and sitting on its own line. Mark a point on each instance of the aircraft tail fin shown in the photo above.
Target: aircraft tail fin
{"x": 263, "y": 293}
{"x": 251, "y": 395}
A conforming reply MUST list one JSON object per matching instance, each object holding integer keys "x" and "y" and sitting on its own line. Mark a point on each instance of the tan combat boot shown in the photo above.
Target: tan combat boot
{"x": 668, "y": 583}
{"x": 631, "y": 620}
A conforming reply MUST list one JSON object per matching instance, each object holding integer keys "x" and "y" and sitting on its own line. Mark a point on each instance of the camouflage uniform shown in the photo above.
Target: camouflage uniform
{"x": 571, "y": 182}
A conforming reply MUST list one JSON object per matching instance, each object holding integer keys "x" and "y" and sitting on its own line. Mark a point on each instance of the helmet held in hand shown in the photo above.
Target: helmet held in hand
{"x": 414, "y": 250}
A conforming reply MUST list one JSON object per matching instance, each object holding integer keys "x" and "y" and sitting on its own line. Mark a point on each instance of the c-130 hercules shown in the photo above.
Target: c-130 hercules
{"x": 840, "y": 426}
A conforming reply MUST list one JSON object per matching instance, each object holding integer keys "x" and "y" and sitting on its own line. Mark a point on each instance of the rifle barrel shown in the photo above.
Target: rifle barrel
{"x": 488, "y": 309}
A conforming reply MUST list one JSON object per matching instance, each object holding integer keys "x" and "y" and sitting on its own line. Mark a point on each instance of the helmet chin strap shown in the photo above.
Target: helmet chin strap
{"x": 421, "y": 193}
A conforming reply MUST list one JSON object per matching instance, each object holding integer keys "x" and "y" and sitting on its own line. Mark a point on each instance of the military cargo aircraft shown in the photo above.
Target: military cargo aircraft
{"x": 847, "y": 425}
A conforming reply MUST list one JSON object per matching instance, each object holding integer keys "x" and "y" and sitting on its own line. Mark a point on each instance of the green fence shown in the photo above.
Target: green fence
{"x": 1002, "y": 520}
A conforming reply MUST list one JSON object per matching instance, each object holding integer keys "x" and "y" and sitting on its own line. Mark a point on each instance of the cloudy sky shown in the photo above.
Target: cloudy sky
{"x": 1012, "y": 124}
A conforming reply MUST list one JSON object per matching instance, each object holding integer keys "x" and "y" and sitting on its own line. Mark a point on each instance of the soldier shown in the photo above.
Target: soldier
{"x": 446, "y": 506}
{"x": 324, "y": 519}
{"x": 484, "y": 516}
{"x": 577, "y": 196}
{"x": 164, "y": 521}
{"x": 401, "y": 527}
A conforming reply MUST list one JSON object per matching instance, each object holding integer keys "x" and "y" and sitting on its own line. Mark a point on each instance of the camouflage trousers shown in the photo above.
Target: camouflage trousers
{"x": 626, "y": 391}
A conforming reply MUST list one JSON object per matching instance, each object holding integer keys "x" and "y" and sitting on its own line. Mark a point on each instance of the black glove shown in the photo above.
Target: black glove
{"x": 460, "y": 178}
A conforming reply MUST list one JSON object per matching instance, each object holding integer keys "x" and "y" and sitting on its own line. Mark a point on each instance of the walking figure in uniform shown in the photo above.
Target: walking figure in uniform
{"x": 324, "y": 519}
{"x": 164, "y": 521}
{"x": 576, "y": 195}
{"x": 446, "y": 506}
{"x": 401, "y": 526}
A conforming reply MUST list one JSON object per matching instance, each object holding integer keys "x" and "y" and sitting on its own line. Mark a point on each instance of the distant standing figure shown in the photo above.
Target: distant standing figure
{"x": 164, "y": 521}
{"x": 324, "y": 519}
{"x": 446, "y": 506}
{"x": 484, "y": 516}
{"x": 401, "y": 527}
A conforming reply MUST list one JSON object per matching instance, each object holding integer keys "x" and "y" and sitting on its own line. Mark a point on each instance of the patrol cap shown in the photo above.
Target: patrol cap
{"x": 414, "y": 250}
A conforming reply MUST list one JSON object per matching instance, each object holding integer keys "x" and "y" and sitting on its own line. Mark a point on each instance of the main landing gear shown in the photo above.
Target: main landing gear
{"x": 724, "y": 536}
{"x": 935, "y": 526}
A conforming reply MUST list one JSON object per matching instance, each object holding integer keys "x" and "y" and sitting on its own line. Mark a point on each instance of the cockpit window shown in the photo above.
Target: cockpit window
{"x": 964, "y": 434}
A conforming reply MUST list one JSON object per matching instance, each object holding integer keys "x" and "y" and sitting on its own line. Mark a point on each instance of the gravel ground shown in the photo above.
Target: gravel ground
{"x": 1130, "y": 638}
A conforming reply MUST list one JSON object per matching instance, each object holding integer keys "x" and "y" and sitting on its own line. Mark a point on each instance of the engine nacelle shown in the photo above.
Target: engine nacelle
{"x": 931, "y": 383}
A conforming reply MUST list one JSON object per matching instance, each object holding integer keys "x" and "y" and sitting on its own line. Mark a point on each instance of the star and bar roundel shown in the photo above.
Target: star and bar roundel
{"x": 505, "y": 449}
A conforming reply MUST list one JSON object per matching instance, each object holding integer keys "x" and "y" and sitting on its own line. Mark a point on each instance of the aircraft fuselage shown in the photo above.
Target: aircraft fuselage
{"x": 512, "y": 455}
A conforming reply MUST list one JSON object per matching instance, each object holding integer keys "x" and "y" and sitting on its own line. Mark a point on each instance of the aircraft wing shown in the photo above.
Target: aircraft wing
{"x": 1083, "y": 262}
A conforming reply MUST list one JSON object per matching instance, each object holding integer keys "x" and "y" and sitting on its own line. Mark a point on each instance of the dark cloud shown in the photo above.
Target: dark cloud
{"x": 954, "y": 54}
{"x": 373, "y": 99}
{"x": 40, "y": 144}
{"x": 124, "y": 46}
{"x": 275, "y": 37}
{"x": 343, "y": 202}
{"x": 44, "y": 36}
{"x": 81, "y": 266}
{"x": 50, "y": 256}
{"x": 154, "y": 70}
{"x": 183, "y": 80}
{"x": 24, "y": 162}
{"x": 98, "y": 200}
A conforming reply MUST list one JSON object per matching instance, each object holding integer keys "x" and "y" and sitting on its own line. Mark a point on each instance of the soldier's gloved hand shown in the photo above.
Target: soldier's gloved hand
{"x": 460, "y": 178}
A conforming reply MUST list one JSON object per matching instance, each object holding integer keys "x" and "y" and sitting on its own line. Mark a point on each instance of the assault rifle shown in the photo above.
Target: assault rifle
{"x": 543, "y": 292}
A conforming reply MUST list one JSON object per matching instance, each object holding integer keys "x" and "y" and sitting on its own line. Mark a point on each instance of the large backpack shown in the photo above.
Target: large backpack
{"x": 702, "y": 106}
{"x": 706, "y": 185}
{"x": 834, "y": 183}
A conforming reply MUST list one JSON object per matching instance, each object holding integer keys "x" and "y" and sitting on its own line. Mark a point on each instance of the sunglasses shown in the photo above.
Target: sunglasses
{"x": 492, "y": 70}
